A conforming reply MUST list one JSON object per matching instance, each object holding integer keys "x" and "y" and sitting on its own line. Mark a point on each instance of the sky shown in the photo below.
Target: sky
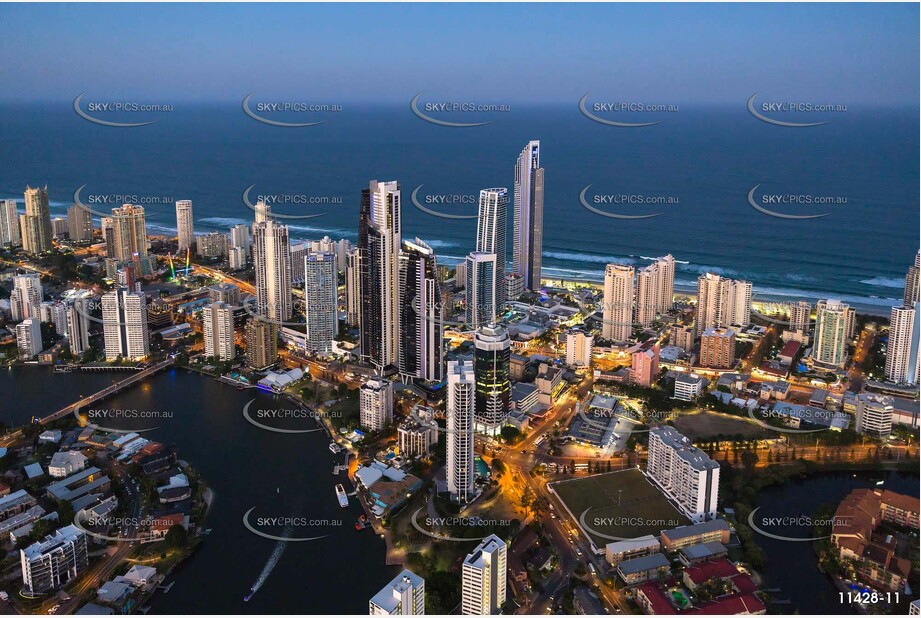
{"x": 509, "y": 53}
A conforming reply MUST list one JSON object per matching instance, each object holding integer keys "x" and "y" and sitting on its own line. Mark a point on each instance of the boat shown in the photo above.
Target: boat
{"x": 342, "y": 496}
{"x": 335, "y": 448}
{"x": 249, "y": 596}
{"x": 362, "y": 522}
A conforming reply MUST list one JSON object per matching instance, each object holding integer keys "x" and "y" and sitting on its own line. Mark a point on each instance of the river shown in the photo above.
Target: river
{"x": 278, "y": 475}
{"x": 793, "y": 566}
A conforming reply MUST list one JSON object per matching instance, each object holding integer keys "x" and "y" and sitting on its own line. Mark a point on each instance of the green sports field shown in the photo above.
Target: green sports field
{"x": 618, "y": 504}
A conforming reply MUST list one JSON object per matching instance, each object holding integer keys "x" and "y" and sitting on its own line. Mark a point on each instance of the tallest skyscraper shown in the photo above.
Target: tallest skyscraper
{"x": 529, "y": 215}
{"x": 379, "y": 239}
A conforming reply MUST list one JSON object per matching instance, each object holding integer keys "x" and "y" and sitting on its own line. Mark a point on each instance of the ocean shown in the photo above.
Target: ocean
{"x": 698, "y": 166}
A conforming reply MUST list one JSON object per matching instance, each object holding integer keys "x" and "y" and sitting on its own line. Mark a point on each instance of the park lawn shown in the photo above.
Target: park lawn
{"x": 620, "y": 504}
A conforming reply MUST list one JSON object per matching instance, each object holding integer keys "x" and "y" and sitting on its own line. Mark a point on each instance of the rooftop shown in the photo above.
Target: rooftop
{"x": 59, "y": 537}
{"x": 705, "y": 571}
{"x": 703, "y": 551}
{"x": 643, "y": 564}
{"x": 386, "y": 599}
{"x": 684, "y": 448}
{"x": 694, "y": 529}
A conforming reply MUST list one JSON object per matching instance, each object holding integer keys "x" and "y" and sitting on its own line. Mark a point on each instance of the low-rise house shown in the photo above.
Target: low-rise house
{"x": 788, "y": 352}
{"x": 702, "y": 552}
{"x": 96, "y": 515}
{"x": 619, "y": 551}
{"x": 117, "y": 594}
{"x": 17, "y": 522}
{"x": 524, "y": 396}
{"x": 587, "y": 602}
{"x": 24, "y": 531}
{"x": 700, "y": 574}
{"x": 694, "y": 534}
{"x": 94, "y": 609}
{"x": 51, "y": 436}
{"x": 385, "y": 488}
{"x": 160, "y": 525}
{"x": 639, "y": 570}
{"x": 796, "y": 416}
{"x": 65, "y": 463}
{"x": 33, "y": 471}
{"x": 774, "y": 390}
{"x": 141, "y": 576}
{"x": 75, "y": 486}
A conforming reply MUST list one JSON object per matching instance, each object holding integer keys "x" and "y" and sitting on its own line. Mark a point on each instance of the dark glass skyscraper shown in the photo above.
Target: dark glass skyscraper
{"x": 421, "y": 315}
{"x": 491, "y": 364}
{"x": 379, "y": 229}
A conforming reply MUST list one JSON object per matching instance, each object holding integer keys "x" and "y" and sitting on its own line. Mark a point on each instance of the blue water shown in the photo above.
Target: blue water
{"x": 707, "y": 158}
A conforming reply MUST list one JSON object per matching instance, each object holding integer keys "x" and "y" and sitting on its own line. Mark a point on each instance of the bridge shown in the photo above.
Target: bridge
{"x": 109, "y": 390}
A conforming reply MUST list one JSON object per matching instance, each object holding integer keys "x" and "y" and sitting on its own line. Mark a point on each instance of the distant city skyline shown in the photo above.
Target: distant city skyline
{"x": 676, "y": 53}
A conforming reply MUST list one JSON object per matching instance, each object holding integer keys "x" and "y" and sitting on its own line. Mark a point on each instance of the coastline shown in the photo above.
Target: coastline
{"x": 683, "y": 291}
{"x": 876, "y": 306}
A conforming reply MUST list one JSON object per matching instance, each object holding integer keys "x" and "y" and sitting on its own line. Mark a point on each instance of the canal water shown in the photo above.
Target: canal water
{"x": 277, "y": 475}
{"x": 793, "y": 566}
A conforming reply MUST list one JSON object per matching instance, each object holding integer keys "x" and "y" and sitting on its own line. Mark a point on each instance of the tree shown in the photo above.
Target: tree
{"x": 510, "y": 434}
{"x": 177, "y": 537}
{"x": 749, "y": 460}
